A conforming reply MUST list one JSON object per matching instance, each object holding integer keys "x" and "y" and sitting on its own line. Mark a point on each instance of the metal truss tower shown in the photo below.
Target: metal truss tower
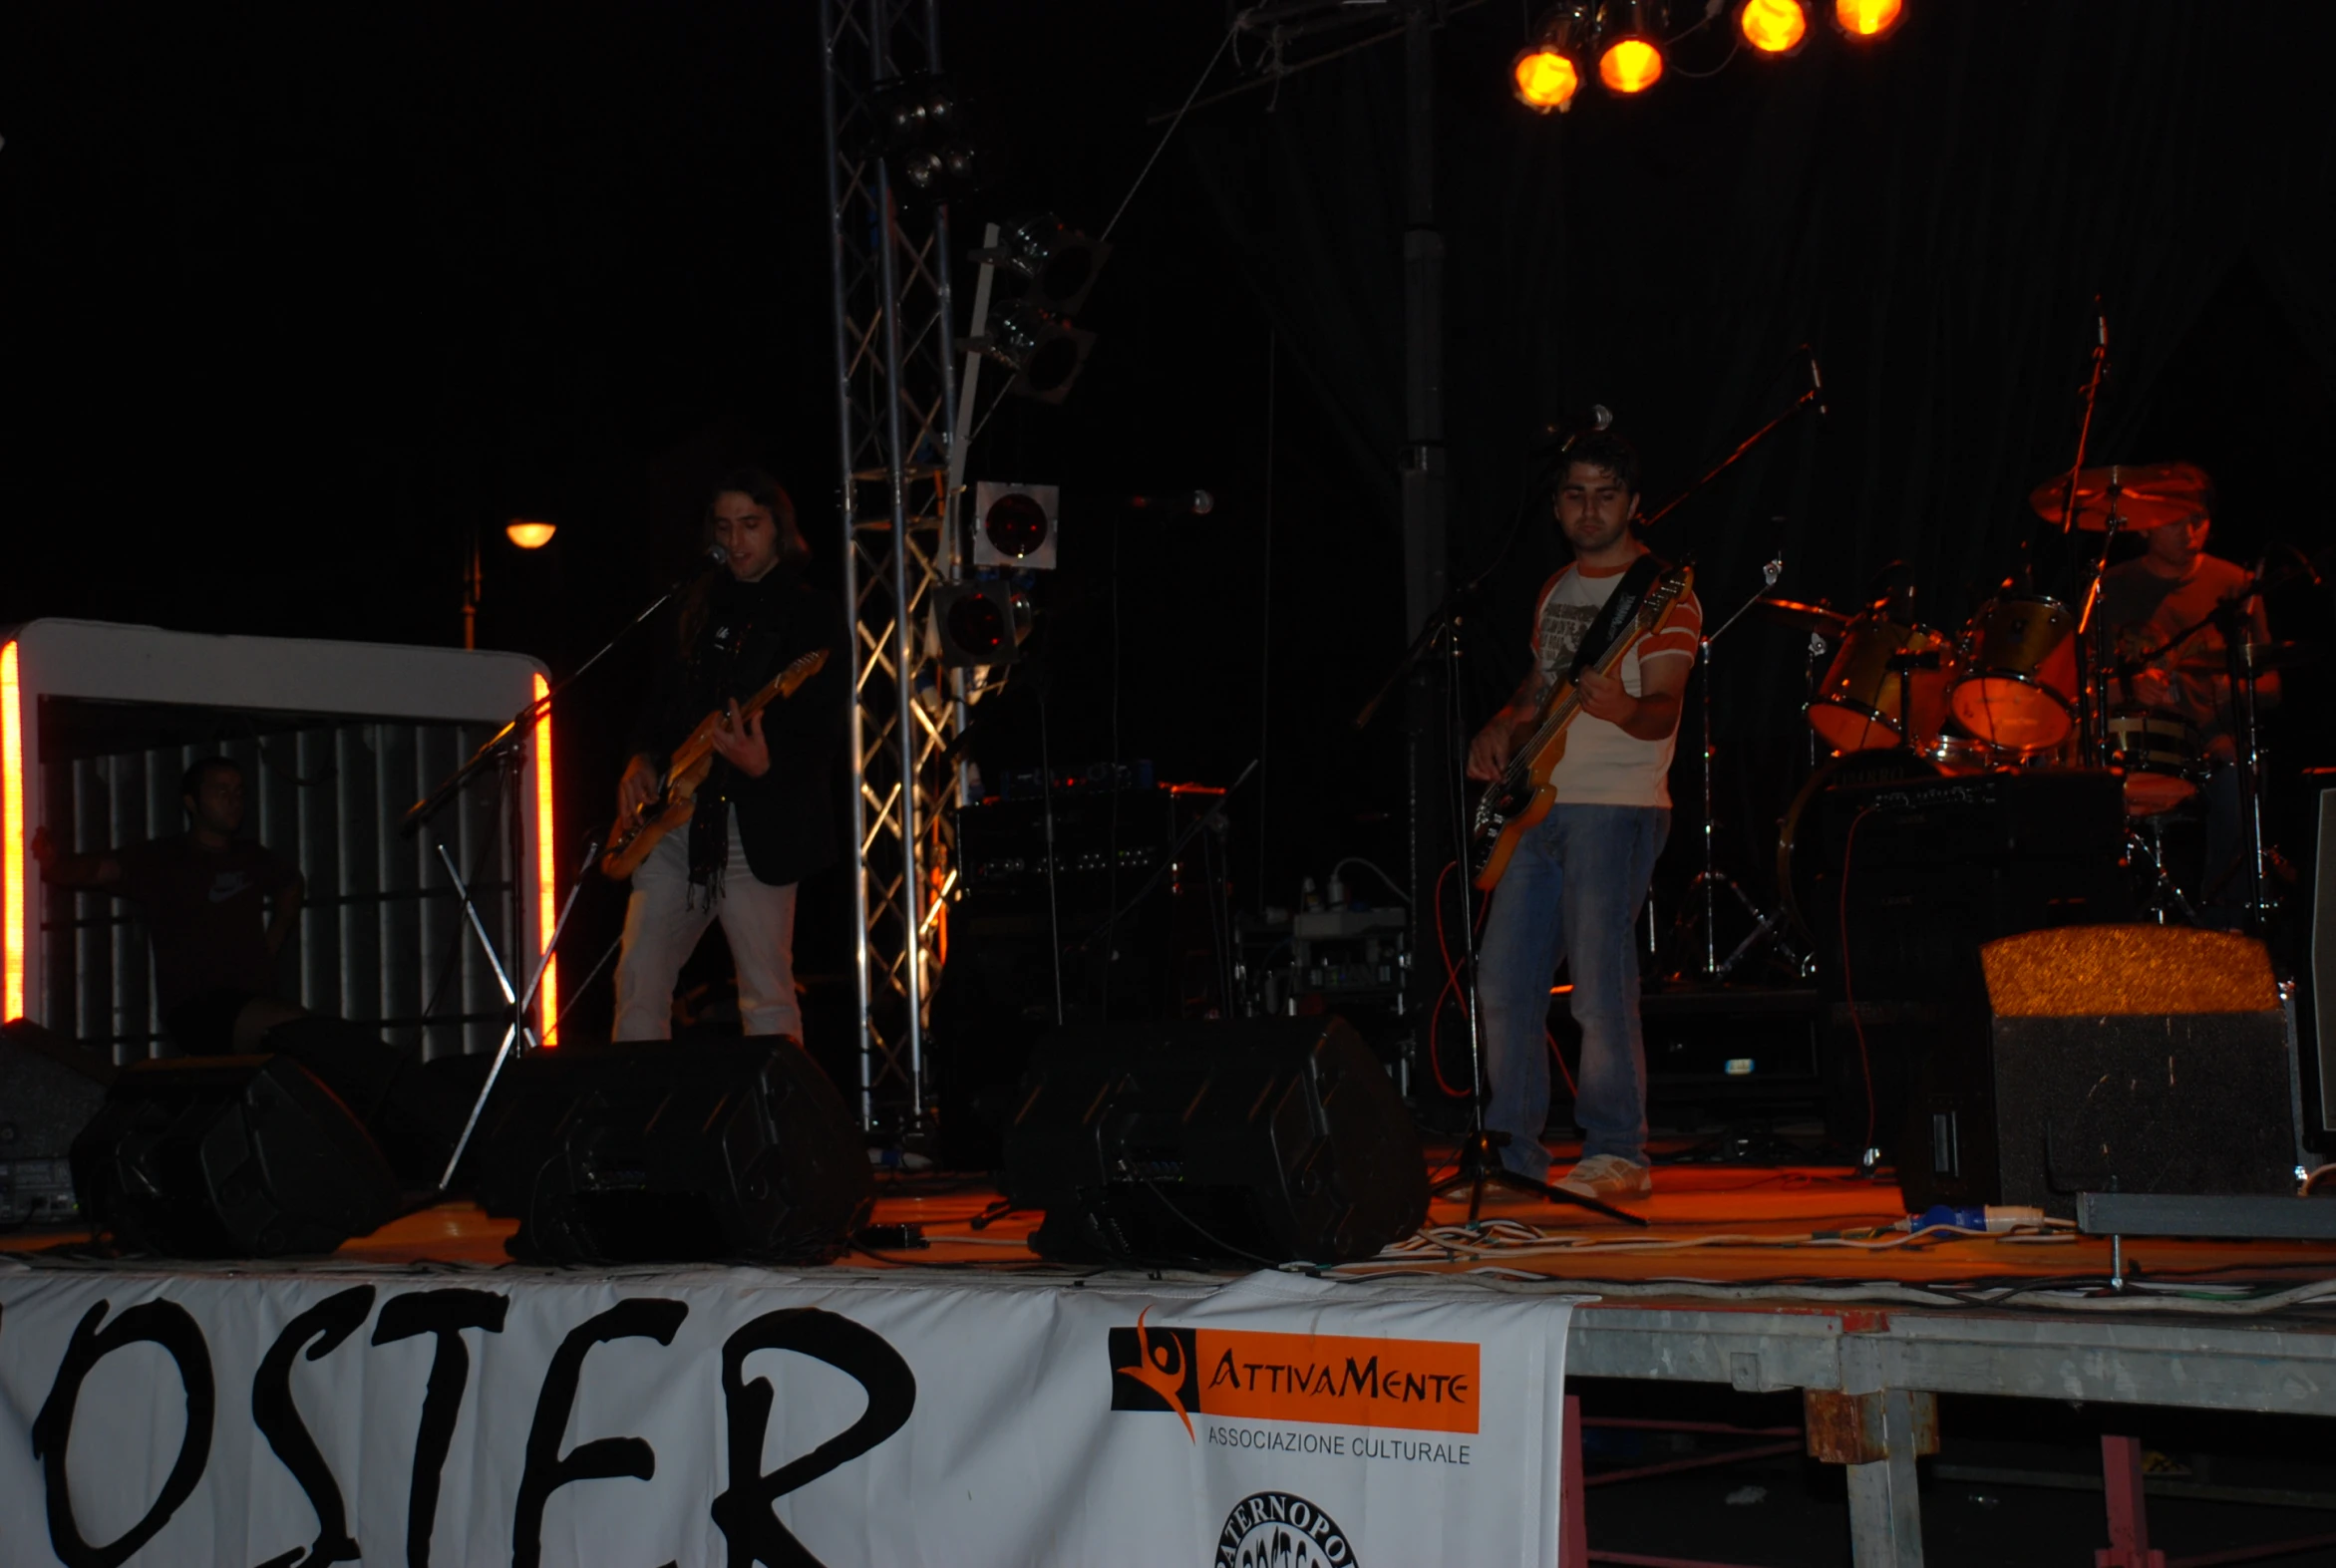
{"x": 896, "y": 402}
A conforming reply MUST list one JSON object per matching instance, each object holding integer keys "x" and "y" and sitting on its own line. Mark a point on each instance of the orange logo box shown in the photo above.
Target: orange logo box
{"x": 1325, "y": 1378}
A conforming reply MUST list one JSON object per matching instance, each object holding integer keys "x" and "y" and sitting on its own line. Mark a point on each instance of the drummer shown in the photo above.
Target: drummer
{"x": 2145, "y": 602}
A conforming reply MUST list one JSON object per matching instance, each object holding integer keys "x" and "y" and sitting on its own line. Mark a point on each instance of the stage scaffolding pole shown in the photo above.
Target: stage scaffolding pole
{"x": 895, "y": 406}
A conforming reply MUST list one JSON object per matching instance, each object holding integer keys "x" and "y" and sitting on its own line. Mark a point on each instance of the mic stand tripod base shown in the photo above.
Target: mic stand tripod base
{"x": 1481, "y": 1167}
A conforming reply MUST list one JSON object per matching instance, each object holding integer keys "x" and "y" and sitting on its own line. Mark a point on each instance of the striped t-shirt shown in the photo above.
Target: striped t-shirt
{"x": 1602, "y": 765}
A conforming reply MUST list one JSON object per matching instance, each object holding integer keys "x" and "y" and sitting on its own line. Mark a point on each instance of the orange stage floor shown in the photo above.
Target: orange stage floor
{"x": 1722, "y": 1224}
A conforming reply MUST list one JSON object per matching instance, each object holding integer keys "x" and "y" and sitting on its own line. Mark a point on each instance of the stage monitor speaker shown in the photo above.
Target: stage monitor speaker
{"x": 1265, "y": 1141}
{"x": 230, "y": 1158}
{"x": 674, "y": 1152}
{"x": 2135, "y": 1059}
{"x": 49, "y": 1087}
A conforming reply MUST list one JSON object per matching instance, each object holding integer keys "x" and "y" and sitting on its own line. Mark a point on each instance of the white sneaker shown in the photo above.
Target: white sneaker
{"x": 1609, "y": 1178}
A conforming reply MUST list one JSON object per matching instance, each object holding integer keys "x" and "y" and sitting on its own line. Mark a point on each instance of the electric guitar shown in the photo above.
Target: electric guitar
{"x": 636, "y": 833}
{"x": 1522, "y": 795}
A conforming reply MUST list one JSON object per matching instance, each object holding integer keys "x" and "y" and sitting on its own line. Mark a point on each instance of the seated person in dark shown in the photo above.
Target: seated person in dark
{"x": 217, "y": 910}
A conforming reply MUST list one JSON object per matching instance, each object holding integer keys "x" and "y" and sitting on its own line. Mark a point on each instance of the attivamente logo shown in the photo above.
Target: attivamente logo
{"x": 1326, "y": 1379}
{"x": 1277, "y": 1530}
{"x": 1156, "y": 1369}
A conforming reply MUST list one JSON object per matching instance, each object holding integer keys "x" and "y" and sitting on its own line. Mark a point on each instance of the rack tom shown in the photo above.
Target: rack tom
{"x": 2164, "y": 757}
{"x": 2016, "y": 684}
{"x": 1888, "y": 682}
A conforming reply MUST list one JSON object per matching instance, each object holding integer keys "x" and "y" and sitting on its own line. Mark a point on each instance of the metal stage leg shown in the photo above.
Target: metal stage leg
{"x": 2129, "y": 1510}
{"x": 1877, "y": 1435}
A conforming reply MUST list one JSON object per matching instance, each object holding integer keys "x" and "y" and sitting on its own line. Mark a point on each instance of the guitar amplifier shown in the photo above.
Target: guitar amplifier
{"x": 1016, "y": 944}
{"x": 1927, "y": 870}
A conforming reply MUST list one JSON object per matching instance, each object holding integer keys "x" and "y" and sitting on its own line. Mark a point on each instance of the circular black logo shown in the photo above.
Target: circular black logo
{"x": 1277, "y": 1530}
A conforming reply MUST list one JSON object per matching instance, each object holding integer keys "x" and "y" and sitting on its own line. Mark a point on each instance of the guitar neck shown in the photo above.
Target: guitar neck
{"x": 1565, "y": 701}
{"x": 700, "y": 743}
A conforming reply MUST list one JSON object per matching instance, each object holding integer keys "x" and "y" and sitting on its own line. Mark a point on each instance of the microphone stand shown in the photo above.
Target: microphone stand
{"x": 505, "y": 751}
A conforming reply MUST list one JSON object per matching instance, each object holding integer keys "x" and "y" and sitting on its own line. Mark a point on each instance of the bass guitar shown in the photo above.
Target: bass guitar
{"x": 636, "y": 833}
{"x": 1522, "y": 795}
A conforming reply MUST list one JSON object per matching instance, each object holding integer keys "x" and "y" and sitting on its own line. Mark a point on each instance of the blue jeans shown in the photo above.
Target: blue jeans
{"x": 1575, "y": 887}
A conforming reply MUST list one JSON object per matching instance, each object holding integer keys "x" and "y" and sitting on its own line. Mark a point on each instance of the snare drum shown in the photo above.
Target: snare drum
{"x": 1864, "y": 703}
{"x": 2017, "y": 675}
{"x": 2165, "y": 759}
{"x": 1962, "y": 753}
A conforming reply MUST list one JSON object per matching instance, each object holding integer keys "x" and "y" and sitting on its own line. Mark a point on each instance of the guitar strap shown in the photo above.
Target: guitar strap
{"x": 1620, "y": 606}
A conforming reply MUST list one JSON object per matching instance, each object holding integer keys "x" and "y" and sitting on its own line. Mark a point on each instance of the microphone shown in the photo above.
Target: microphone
{"x": 1574, "y": 427}
{"x": 1815, "y": 380}
{"x": 1199, "y": 503}
{"x": 714, "y": 557}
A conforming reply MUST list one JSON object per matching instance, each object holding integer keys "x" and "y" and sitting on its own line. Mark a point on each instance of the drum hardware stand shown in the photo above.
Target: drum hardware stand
{"x": 1767, "y": 926}
{"x": 2165, "y": 896}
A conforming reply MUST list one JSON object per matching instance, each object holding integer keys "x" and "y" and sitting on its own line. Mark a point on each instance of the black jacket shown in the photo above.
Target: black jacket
{"x": 740, "y": 635}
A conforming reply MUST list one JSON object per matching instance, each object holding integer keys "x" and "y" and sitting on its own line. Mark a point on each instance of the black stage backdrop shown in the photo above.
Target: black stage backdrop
{"x": 294, "y": 303}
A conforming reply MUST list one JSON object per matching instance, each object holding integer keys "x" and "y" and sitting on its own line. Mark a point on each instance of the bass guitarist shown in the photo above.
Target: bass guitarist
{"x": 765, "y": 816}
{"x": 1577, "y": 879}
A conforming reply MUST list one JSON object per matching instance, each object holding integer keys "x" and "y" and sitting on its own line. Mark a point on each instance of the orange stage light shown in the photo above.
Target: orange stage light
{"x": 1773, "y": 27}
{"x": 547, "y": 868}
{"x": 13, "y": 836}
{"x": 1546, "y": 80}
{"x": 529, "y": 534}
{"x": 1630, "y": 64}
{"x": 1867, "y": 18}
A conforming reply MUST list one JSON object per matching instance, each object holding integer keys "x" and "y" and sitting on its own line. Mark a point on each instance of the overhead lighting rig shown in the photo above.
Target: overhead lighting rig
{"x": 1629, "y": 41}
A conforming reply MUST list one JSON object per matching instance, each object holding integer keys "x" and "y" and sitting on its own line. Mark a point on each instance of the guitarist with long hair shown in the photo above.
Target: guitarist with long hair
{"x": 763, "y": 817}
{"x": 1576, "y": 879}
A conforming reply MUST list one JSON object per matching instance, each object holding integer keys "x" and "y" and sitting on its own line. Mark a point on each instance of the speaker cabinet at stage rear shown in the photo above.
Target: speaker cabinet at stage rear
{"x": 674, "y": 1152}
{"x": 230, "y": 1158}
{"x": 1270, "y": 1138}
{"x": 2124, "y": 1057}
{"x": 49, "y": 1087}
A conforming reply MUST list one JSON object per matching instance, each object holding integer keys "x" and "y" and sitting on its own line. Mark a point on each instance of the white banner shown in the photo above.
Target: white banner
{"x": 744, "y": 1417}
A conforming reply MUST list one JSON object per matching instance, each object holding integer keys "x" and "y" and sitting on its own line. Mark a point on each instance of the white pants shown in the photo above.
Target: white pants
{"x": 662, "y": 925}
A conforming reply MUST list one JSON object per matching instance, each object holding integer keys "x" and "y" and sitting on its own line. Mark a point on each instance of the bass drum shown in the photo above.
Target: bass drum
{"x": 1801, "y": 838}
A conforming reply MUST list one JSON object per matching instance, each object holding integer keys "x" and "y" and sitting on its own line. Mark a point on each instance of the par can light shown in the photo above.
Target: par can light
{"x": 1630, "y": 48}
{"x": 1547, "y": 73}
{"x": 1867, "y": 19}
{"x": 1772, "y": 27}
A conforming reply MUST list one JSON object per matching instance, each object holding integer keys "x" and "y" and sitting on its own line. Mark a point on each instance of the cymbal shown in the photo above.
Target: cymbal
{"x": 2142, "y": 495}
{"x": 1802, "y": 617}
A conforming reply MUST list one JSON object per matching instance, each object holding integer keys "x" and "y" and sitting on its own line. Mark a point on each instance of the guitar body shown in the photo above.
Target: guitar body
{"x": 1522, "y": 797}
{"x": 1512, "y": 816}
{"x": 634, "y": 836}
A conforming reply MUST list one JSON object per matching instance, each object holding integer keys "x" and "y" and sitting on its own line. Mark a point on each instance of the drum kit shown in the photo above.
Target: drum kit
{"x": 2020, "y": 686}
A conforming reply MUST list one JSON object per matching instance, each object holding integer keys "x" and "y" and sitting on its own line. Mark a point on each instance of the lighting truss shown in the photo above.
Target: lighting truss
{"x": 897, "y": 401}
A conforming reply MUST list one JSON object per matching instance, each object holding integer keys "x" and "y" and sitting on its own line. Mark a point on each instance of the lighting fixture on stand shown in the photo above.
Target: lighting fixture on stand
{"x": 1630, "y": 45}
{"x": 1045, "y": 352}
{"x": 1547, "y": 73}
{"x": 978, "y": 622}
{"x": 1056, "y": 263}
{"x": 1014, "y": 524}
{"x": 923, "y": 134}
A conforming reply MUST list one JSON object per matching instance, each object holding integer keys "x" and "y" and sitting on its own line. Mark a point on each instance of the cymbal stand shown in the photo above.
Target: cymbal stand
{"x": 2241, "y": 650}
{"x": 2166, "y": 897}
{"x": 1708, "y": 881}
